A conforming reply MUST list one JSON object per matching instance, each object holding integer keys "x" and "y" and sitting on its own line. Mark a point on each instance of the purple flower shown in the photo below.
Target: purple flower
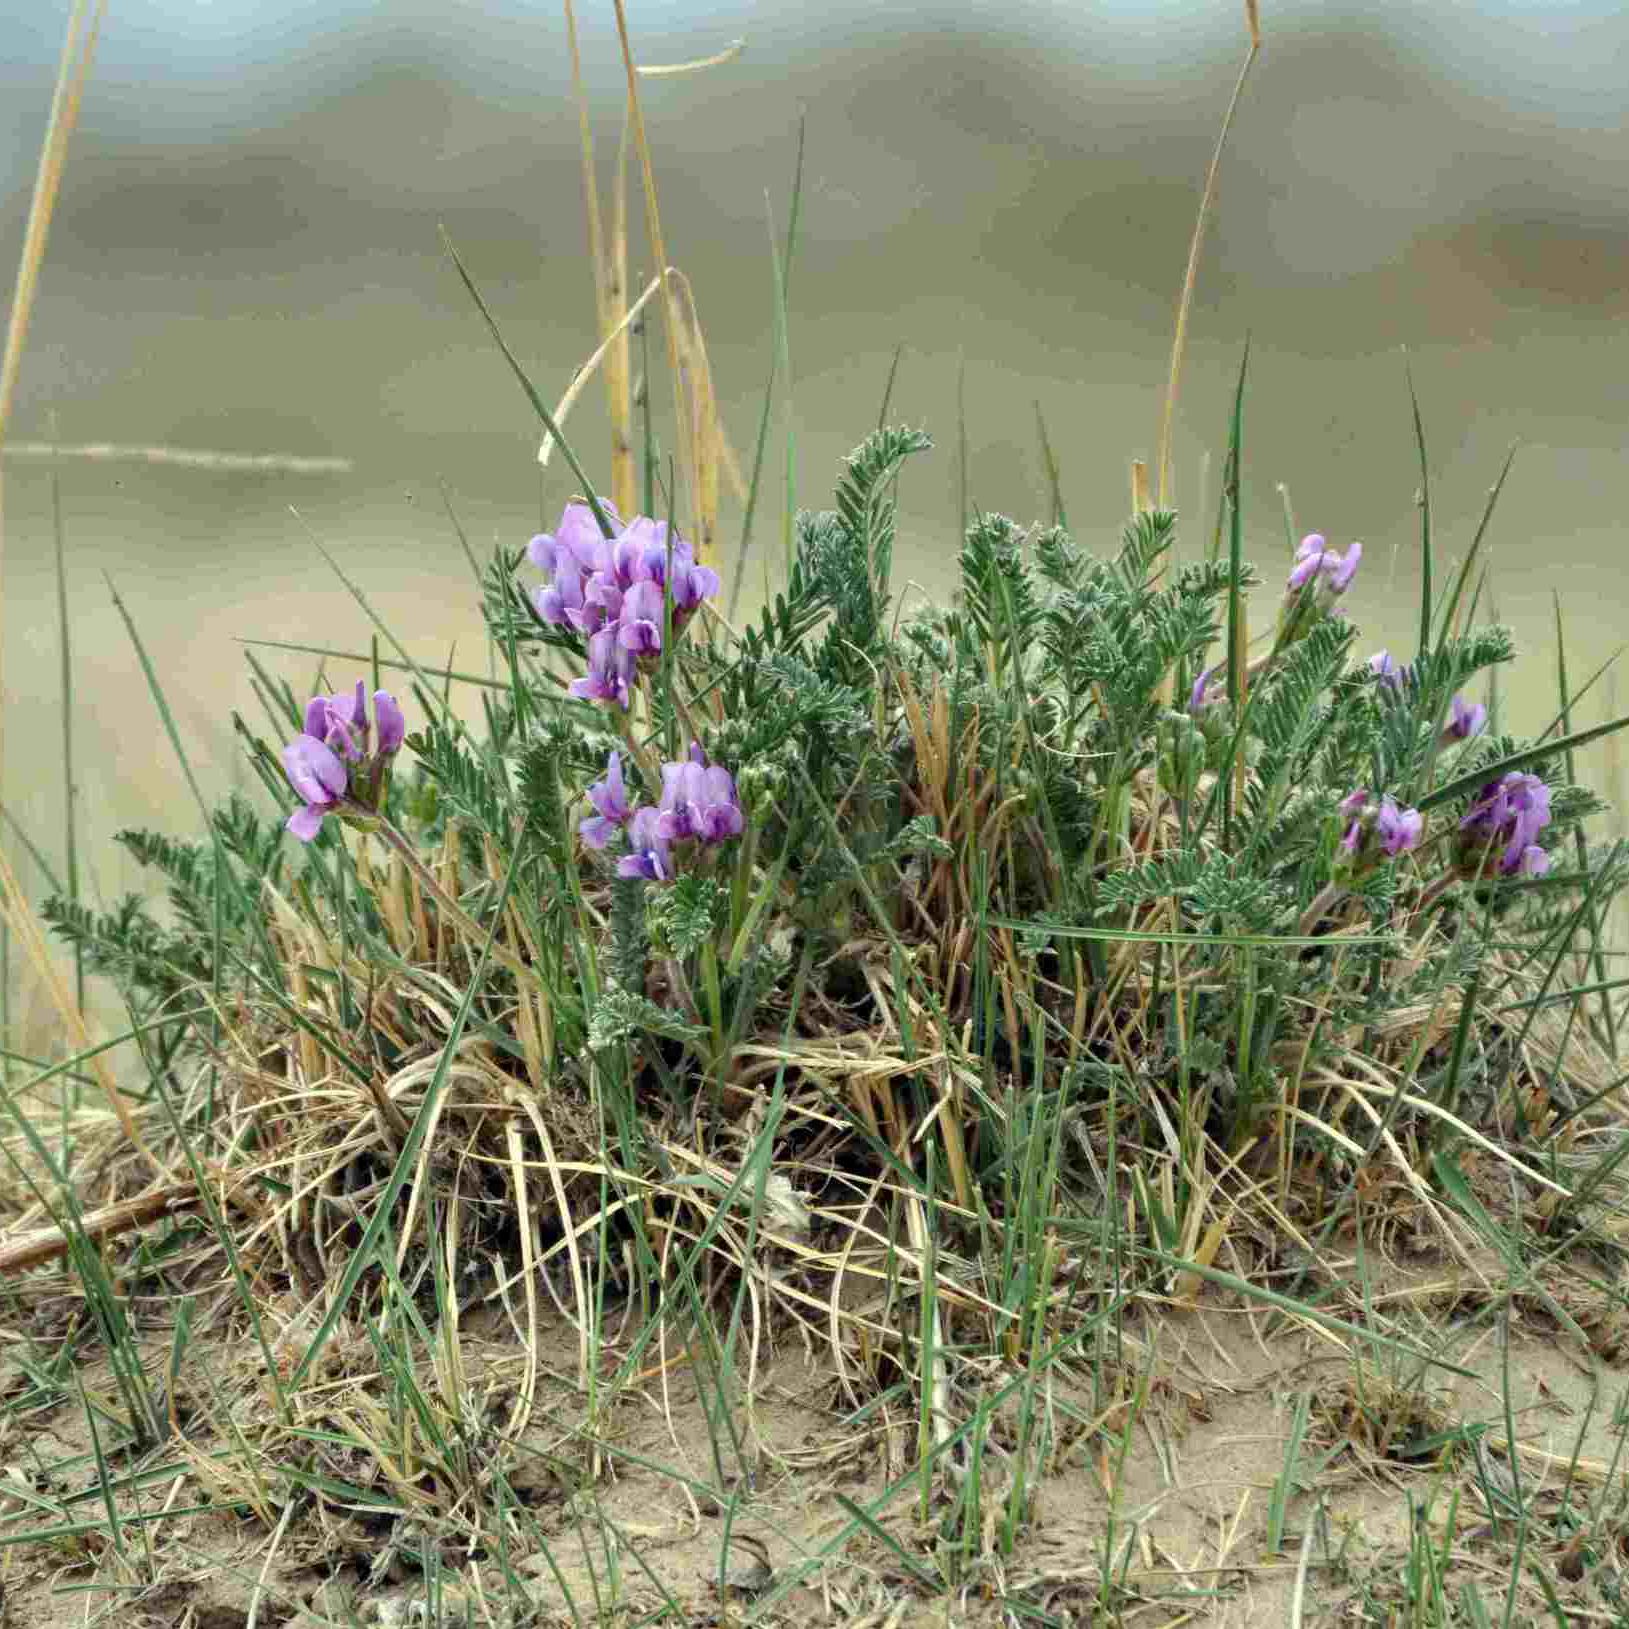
{"x": 560, "y": 600}
{"x": 602, "y": 603}
{"x": 1511, "y": 811}
{"x": 1398, "y": 829}
{"x": 634, "y": 587}
{"x": 699, "y": 800}
{"x": 1197, "y": 698}
{"x": 643, "y": 550}
{"x": 1534, "y": 862}
{"x": 392, "y": 723}
{"x": 577, "y": 538}
{"x": 643, "y": 612}
{"x": 611, "y": 669}
{"x": 1395, "y": 830}
{"x": 1315, "y": 558}
{"x": 1386, "y": 670}
{"x": 336, "y": 734}
{"x": 648, "y": 853}
{"x": 1465, "y": 720}
{"x": 316, "y": 773}
{"x": 340, "y": 722}
{"x": 610, "y": 799}
{"x": 692, "y": 583}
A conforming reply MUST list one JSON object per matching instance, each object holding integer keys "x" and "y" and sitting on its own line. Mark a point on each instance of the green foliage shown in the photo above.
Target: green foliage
{"x": 687, "y": 914}
{"x": 154, "y": 964}
{"x": 997, "y": 591}
{"x": 848, "y": 553}
{"x": 621, "y": 1016}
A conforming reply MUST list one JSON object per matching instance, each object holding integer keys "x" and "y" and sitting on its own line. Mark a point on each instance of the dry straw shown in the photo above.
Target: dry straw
{"x": 78, "y": 48}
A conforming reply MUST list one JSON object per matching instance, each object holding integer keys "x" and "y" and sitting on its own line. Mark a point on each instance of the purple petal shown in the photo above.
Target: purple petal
{"x": 649, "y": 856}
{"x": 392, "y": 725}
{"x": 306, "y": 823}
{"x": 314, "y": 770}
{"x": 579, "y": 533}
{"x": 601, "y": 591}
{"x": 1385, "y": 669}
{"x": 316, "y": 717}
{"x": 597, "y": 830}
{"x": 692, "y": 585}
{"x": 643, "y": 613}
{"x": 1399, "y": 829}
{"x": 722, "y": 822}
{"x": 610, "y": 796}
{"x": 642, "y": 638}
{"x": 1344, "y": 569}
{"x": 1469, "y": 718}
{"x": 1534, "y": 862}
{"x": 1303, "y": 573}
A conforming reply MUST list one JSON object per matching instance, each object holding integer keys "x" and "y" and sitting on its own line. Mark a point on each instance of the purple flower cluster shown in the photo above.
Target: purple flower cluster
{"x": 333, "y": 765}
{"x": 698, "y": 804}
{"x": 1317, "y": 580}
{"x": 1395, "y": 831}
{"x": 1333, "y": 570}
{"x": 1509, "y": 813}
{"x": 616, "y": 591}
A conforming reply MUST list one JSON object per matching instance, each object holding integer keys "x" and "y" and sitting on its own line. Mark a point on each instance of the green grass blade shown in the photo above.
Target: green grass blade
{"x": 590, "y": 496}
{"x": 888, "y": 388}
{"x": 372, "y": 1235}
{"x": 1425, "y": 521}
{"x": 1054, "y": 483}
{"x": 70, "y": 790}
{"x": 1445, "y": 623}
{"x": 359, "y": 657}
{"x": 1461, "y": 784}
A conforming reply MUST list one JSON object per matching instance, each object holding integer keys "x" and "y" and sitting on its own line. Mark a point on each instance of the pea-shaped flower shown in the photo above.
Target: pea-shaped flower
{"x": 1373, "y": 833}
{"x": 1317, "y": 580}
{"x": 699, "y": 801}
{"x": 340, "y": 763}
{"x": 1506, "y": 817}
{"x": 611, "y": 810}
{"x": 1465, "y": 719}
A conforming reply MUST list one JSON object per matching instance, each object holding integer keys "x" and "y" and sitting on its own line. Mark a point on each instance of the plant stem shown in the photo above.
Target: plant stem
{"x": 450, "y": 906}
{"x": 1320, "y": 906}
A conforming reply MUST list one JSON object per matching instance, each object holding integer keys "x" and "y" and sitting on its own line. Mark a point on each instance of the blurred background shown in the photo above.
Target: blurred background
{"x": 245, "y": 259}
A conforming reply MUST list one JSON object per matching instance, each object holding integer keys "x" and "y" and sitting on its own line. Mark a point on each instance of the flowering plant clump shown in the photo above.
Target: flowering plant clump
{"x": 953, "y": 897}
{"x": 334, "y": 766}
